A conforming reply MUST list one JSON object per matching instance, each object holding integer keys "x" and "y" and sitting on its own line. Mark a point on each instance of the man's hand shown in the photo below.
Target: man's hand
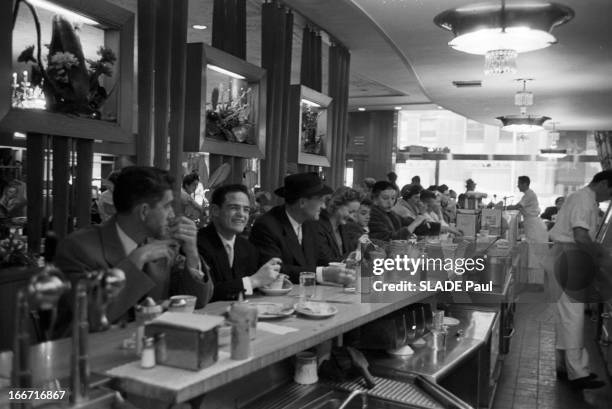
{"x": 338, "y": 275}
{"x": 153, "y": 251}
{"x": 184, "y": 230}
{"x": 266, "y": 273}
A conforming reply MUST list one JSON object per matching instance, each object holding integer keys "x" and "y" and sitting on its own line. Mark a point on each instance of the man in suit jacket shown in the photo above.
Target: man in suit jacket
{"x": 143, "y": 239}
{"x": 232, "y": 259}
{"x": 283, "y": 233}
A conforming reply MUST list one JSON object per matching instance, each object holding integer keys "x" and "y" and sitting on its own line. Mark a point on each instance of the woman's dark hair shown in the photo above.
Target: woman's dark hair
{"x": 442, "y": 188}
{"x": 366, "y": 202}
{"x": 140, "y": 184}
{"x": 427, "y": 194}
{"x": 433, "y": 188}
{"x": 343, "y": 196}
{"x": 410, "y": 190}
{"x": 190, "y": 178}
{"x": 218, "y": 196}
{"x": 381, "y": 186}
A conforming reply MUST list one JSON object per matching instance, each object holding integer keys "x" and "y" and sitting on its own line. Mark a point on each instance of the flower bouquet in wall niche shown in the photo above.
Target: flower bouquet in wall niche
{"x": 70, "y": 82}
{"x": 312, "y": 140}
{"x": 230, "y": 120}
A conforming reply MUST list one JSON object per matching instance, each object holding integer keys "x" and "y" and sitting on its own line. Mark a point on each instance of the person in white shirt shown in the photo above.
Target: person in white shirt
{"x": 575, "y": 260}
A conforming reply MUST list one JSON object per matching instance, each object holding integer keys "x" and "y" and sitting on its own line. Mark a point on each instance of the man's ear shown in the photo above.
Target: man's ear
{"x": 142, "y": 210}
{"x": 214, "y": 210}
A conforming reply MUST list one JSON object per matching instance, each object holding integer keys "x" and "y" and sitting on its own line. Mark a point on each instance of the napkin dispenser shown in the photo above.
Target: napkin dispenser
{"x": 191, "y": 340}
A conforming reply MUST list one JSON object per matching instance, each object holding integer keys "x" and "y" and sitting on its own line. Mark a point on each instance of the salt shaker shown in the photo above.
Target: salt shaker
{"x": 147, "y": 359}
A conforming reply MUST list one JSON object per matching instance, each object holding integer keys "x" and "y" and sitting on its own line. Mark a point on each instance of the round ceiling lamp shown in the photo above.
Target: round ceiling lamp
{"x": 523, "y": 123}
{"x": 500, "y": 31}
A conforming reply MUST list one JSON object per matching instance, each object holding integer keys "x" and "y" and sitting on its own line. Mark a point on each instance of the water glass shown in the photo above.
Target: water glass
{"x": 308, "y": 284}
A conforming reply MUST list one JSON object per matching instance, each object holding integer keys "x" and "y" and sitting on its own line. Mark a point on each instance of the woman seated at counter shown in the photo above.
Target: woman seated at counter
{"x": 386, "y": 225}
{"x": 409, "y": 205}
{"x": 333, "y": 238}
{"x": 433, "y": 212}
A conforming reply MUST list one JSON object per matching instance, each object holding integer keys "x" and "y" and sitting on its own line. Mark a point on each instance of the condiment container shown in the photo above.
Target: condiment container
{"x": 147, "y": 359}
{"x": 305, "y": 368}
{"x": 145, "y": 312}
{"x": 240, "y": 317}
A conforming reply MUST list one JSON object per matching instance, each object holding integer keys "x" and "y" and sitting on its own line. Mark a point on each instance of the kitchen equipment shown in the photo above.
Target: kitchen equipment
{"x": 495, "y": 270}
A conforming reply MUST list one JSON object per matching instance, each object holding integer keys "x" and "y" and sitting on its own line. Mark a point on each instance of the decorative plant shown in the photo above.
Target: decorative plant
{"x": 312, "y": 141}
{"x": 230, "y": 120}
{"x": 68, "y": 85}
{"x": 13, "y": 252}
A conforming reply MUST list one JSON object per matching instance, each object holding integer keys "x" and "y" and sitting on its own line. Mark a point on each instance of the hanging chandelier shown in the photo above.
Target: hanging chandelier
{"x": 554, "y": 152}
{"x": 500, "y": 32}
{"x": 523, "y": 123}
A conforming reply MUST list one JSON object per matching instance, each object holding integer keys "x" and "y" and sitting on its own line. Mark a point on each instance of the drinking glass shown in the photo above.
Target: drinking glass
{"x": 420, "y": 320}
{"x": 411, "y": 327}
{"x": 308, "y": 284}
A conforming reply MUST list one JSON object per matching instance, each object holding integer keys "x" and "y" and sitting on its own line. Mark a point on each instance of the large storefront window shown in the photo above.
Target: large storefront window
{"x": 443, "y": 129}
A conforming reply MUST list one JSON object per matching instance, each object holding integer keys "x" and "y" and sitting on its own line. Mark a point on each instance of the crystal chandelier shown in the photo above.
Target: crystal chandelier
{"x": 500, "y": 32}
{"x": 523, "y": 123}
{"x": 554, "y": 152}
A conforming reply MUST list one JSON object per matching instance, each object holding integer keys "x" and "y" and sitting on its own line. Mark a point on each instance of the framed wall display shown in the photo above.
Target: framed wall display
{"x": 225, "y": 104}
{"x": 309, "y": 139}
{"x": 70, "y": 69}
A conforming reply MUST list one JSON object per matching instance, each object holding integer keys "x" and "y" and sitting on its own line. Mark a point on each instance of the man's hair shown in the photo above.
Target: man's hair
{"x": 140, "y": 184}
{"x": 343, "y": 196}
{"x": 190, "y": 178}
{"x": 392, "y": 176}
{"x": 112, "y": 177}
{"x": 603, "y": 175}
{"x": 381, "y": 186}
{"x": 416, "y": 179}
{"x": 560, "y": 198}
{"x": 427, "y": 194}
{"x": 524, "y": 179}
{"x": 218, "y": 196}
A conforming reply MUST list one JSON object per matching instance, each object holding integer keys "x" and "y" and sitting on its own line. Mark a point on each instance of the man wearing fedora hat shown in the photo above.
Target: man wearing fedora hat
{"x": 286, "y": 231}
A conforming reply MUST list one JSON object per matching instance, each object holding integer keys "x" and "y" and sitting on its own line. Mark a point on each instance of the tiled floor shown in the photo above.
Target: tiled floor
{"x": 528, "y": 378}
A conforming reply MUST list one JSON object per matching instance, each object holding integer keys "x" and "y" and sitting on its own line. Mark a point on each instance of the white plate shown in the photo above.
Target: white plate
{"x": 316, "y": 309}
{"x": 269, "y": 310}
{"x": 450, "y": 321}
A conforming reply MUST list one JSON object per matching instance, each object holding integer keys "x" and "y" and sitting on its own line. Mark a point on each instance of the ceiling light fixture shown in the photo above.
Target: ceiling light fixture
{"x": 361, "y": 109}
{"x": 226, "y": 72}
{"x": 500, "y": 32}
{"x": 398, "y": 108}
{"x": 554, "y": 152}
{"x": 523, "y": 123}
{"x": 199, "y": 27}
{"x": 54, "y": 8}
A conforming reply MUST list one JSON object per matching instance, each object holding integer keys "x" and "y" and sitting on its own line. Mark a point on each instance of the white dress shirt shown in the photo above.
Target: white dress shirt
{"x": 529, "y": 203}
{"x": 128, "y": 244}
{"x": 580, "y": 209}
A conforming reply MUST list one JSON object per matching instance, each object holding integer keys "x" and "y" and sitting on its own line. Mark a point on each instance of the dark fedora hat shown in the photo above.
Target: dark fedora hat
{"x": 303, "y": 185}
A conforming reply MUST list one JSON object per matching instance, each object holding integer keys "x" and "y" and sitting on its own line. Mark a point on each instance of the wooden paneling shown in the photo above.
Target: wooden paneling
{"x": 377, "y": 129}
{"x": 177, "y": 95}
{"x": 61, "y": 187}
{"x": 146, "y": 57}
{"x": 84, "y": 152}
{"x": 163, "y": 27}
{"x": 35, "y": 163}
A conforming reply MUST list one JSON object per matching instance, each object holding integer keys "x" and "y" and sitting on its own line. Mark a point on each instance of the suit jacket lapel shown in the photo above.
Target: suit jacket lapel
{"x": 292, "y": 241}
{"x": 113, "y": 250}
{"x": 219, "y": 253}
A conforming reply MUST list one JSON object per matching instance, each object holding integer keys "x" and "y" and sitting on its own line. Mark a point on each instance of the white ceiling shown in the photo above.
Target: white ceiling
{"x": 396, "y": 43}
{"x": 400, "y": 57}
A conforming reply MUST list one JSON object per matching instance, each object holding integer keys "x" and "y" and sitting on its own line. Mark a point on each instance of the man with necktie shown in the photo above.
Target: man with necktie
{"x": 289, "y": 233}
{"x": 156, "y": 250}
{"x": 233, "y": 260}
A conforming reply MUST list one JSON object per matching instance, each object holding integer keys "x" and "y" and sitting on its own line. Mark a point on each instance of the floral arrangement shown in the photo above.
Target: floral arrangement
{"x": 312, "y": 141}
{"x": 68, "y": 85}
{"x": 13, "y": 252}
{"x": 230, "y": 121}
